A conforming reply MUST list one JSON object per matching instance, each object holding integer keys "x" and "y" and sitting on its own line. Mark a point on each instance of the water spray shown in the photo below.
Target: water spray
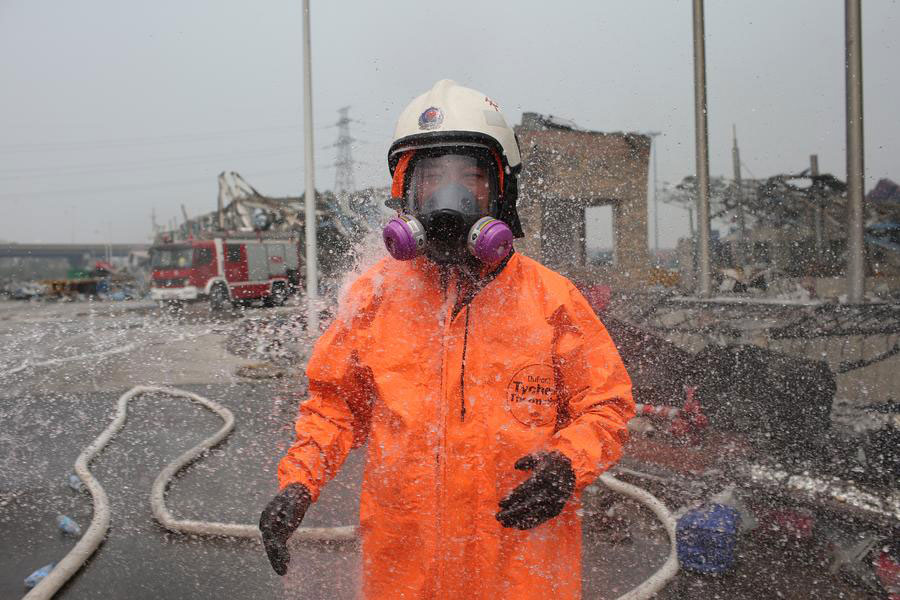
{"x": 72, "y": 562}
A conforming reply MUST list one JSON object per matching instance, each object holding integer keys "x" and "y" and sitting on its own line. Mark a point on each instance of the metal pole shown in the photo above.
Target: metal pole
{"x": 739, "y": 198}
{"x": 702, "y": 147}
{"x": 693, "y": 242}
{"x": 655, "y": 203}
{"x": 855, "y": 166}
{"x": 312, "y": 288}
{"x": 653, "y": 135}
{"x": 819, "y": 216}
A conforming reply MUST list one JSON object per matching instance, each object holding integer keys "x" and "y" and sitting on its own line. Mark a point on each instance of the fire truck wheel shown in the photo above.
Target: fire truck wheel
{"x": 218, "y": 297}
{"x": 278, "y": 296}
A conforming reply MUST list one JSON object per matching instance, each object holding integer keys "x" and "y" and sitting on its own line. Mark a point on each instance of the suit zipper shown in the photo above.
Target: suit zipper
{"x": 462, "y": 370}
{"x": 442, "y": 463}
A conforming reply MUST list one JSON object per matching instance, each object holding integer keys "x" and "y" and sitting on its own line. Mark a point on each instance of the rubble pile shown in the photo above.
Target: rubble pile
{"x": 278, "y": 339}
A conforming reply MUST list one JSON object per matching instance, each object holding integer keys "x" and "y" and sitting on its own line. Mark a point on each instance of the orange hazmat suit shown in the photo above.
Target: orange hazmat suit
{"x": 449, "y": 384}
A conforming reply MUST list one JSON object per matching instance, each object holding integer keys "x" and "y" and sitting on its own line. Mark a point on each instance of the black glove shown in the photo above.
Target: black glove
{"x": 279, "y": 519}
{"x": 543, "y": 495}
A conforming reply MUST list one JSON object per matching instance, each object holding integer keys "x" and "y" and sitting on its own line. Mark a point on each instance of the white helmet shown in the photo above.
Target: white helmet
{"x": 452, "y": 115}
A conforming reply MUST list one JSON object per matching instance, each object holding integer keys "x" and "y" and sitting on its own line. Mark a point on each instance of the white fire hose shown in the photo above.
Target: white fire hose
{"x": 669, "y": 569}
{"x": 96, "y": 531}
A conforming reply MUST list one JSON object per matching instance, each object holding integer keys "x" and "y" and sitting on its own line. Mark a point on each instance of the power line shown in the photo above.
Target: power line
{"x": 743, "y": 164}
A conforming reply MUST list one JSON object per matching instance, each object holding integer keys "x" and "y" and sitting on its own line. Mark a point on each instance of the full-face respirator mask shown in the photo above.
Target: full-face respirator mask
{"x": 448, "y": 211}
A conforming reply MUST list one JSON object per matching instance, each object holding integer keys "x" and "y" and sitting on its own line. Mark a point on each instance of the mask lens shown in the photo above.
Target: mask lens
{"x": 471, "y": 171}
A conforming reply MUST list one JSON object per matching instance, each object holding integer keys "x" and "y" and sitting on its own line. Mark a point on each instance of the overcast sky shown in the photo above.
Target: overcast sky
{"x": 111, "y": 109}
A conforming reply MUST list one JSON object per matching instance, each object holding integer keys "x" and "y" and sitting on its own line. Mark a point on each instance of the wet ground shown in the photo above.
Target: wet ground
{"x": 62, "y": 368}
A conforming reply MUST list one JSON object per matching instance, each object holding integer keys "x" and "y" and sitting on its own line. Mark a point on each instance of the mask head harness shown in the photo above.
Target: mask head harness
{"x": 449, "y": 200}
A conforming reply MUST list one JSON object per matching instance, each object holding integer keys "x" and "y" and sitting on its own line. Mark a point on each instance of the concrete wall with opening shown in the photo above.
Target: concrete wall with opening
{"x": 570, "y": 177}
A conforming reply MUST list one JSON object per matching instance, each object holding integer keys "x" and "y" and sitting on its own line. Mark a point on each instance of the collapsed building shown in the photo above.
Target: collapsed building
{"x": 242, "y": 210}
{"x": 566, "y": 172}
{"x": 790, "y": 230}
{"x": 783, "y": 376}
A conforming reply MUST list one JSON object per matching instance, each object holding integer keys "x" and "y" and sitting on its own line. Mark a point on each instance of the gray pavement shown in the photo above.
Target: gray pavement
{"x": 53, "y": 403}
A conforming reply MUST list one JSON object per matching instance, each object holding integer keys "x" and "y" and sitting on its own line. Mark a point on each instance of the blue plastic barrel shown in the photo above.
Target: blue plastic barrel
{"x": 706, "y": 538}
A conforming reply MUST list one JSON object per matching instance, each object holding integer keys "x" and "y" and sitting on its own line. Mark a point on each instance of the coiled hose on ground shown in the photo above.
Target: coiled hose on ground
{"x": 96, "y": 531}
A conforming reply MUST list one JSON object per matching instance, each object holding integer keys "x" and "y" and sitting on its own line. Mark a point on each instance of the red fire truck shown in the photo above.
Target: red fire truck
{"x": 225, "y": 270}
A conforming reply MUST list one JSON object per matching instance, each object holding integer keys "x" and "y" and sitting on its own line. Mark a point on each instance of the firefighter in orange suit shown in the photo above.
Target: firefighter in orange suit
{"x": 488, "y": 392}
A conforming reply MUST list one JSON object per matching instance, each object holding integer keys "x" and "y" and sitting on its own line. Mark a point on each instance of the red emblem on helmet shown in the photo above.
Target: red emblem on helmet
{"x": 431, "y": 118}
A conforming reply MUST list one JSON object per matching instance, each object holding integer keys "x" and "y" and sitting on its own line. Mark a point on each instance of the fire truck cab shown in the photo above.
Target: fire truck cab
{"x": 224, "y": 270}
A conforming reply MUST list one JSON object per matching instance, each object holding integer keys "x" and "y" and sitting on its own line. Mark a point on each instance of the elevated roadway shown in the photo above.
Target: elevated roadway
{"x": 76, "y": 253}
